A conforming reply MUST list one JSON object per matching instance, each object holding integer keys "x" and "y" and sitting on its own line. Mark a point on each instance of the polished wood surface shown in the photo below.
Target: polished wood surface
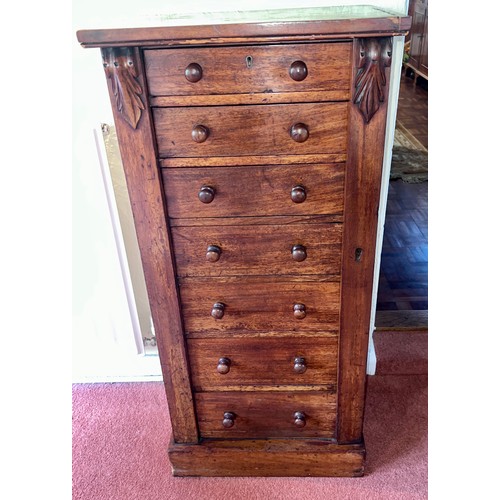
{"x": 419, "y": 59}
{"x": 250, "y": 69}
{"x": 258, "y": 161}
{"x": 137, "y": 146}
{"x": 268, "y": 457}
{"x": 251, "y": 130}
{"x": 363, "y": 179}
{"x": 237, "y": 161}
{"x": 260, "y": 308}
{"x": 258, "y": 362}
{"x": 256, "y": 190}
{"x": 263, "y": 250}
{"x": 267, "y": 415}
{"x": 270, "y": 26}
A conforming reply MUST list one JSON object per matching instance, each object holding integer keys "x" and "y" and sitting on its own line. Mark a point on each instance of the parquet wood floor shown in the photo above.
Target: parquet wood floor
{"x": 404, "y": 264}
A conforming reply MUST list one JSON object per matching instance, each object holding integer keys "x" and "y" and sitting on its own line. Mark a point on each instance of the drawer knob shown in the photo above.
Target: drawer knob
{"x": 228, "y": 420}
{"x": 224, "y": 365}
{"x": 213, "y": 253}
{"x": 298, "y": 71}
{"x": 206, "y": 194}
{"x": 193, "y": 73}
{"x": 299, "y": 253}
{"x": 299, "y": 311}
{"x": 299, "y": 364}
{"x": 299, "y": 419}
{"x": 199, "y": 133}
{"x": 298, "y": 194}
{"x": 218, "y": 310}
{"x": 299, "y": 132}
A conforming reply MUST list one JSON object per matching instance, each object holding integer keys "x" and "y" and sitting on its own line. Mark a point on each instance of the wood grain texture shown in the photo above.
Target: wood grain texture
{"x": 373, "y": 59}
{"x": 250, "y": 69}
{"x": 263, "y": 362}
{"x": 231, "y": 161}
{"x": 247, "y": 350}
{"x": 253, "y": 98}
{"x": 284, "y": 220}
{"x": 363, "y": 178}
{"x": 251, "y": 130}
{"x": 259, "y": 308}
{"x": 120, "y": 68}
{"x": 254, "y": 191}
{"x": 332, "y": 22}
{"x": 266, "y": 415}
{"x": 267, "y": 458}
{"x": 137, "y": 147}
{"x": 260, "y": 250}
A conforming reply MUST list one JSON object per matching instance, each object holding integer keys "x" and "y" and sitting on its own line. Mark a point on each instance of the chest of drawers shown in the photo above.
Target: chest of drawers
{"x": 253, "y": 155}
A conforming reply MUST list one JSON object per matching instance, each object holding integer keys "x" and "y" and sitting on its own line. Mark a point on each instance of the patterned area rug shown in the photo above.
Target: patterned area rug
{"x": 409, "y": 157}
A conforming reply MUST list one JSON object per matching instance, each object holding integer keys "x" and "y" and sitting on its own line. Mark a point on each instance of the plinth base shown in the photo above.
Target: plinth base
{"x": 267, "y": 457}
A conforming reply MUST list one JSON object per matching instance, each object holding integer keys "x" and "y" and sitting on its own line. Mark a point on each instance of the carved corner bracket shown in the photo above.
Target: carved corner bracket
{"x": 374, "y": 57}
{"x": 120, "y": 68}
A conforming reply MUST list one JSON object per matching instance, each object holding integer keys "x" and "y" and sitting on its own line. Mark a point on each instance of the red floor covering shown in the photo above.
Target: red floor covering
{"x": 121, "y": 432}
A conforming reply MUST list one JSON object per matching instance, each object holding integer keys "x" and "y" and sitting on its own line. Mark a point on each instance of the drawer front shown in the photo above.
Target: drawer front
{"x": 257, "y": 250}
{"x": 251, "y": 130}
{"x": 246, "y": 308}
{"x": 254, "y": 191}
{"x": 263, "y": 362}
{"x": 233, "y": 70}
{"x": 264, "y": 415}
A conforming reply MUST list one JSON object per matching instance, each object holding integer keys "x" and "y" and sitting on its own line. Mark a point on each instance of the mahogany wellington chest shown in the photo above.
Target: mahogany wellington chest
{"x": 253, "y": 156}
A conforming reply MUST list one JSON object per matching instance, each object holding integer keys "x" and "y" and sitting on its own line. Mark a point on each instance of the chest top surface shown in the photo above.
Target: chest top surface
{"x": 239, "y": 26}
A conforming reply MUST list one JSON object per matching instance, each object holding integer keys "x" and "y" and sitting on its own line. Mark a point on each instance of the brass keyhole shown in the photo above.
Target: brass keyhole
{"x": 249, "y": 61}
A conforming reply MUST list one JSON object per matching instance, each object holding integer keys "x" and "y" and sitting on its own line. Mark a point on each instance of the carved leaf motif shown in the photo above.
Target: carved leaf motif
{"x": 120, "y": 68}
{"x": 374, "y": 56}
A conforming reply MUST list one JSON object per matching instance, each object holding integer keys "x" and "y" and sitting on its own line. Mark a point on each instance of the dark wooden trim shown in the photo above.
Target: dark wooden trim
{"x": 137, "y": 147}
{"x": 268, "y": 458}
{"x": 244, "y": 33}
{"x": 409, "y": 320}
{"x": 363, "y": 177}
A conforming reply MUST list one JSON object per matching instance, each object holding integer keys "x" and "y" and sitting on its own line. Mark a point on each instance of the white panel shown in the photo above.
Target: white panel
{"x": 397, "y": 61}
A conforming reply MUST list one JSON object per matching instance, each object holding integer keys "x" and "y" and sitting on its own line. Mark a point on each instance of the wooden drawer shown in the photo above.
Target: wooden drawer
{"x": 268, "y": 363}
{"x": 257, "y": 250}
{"x": 266, "y": 414}
{"x": 251, "y": 130}
{"x": 254, "y": 191}
{"x": 232, "y": 72}
{"x": 245, "y": 308}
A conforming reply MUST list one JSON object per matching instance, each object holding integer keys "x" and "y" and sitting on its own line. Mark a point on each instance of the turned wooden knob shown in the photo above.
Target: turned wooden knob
{"x": 299, "y": 132}
{"x": 299, "y": 311}
{"x": 298, "y": 71}
{"x": 228, "y": 420}
{"x": 199, "y": 133}
{"x": 218, "y": 310}
{"x": 299, "y": 253}
{"x": 213, "y": 253}
{"x": 298, "y": 194}
{"x": 299, "y": 419}
{"x": 193, "y": 73}
{"x": 299, "y": 364}
{"x": 206, "y": 194}
{"x": 224, "y": 365}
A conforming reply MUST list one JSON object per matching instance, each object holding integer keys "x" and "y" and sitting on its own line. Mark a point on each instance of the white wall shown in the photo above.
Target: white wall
{"x": 103, "y": 342}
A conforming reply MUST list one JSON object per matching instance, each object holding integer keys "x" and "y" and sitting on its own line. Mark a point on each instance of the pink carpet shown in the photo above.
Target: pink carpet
{"x": 121, "y": 432}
